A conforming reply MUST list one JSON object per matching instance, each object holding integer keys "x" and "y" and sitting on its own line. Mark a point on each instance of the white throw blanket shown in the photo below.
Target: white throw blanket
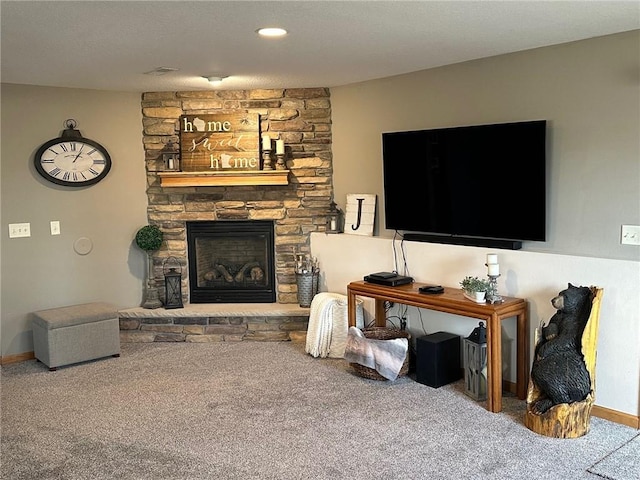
{"x": 385, "y": 356}
{"x": 328, "y": 325}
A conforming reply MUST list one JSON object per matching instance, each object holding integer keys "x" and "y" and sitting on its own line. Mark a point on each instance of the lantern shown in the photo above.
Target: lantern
{"x": 334, "y": 219}
{"x": 171, "y": 159}
{"x": 475, "y": 363}
{"x": 172, "y": 283}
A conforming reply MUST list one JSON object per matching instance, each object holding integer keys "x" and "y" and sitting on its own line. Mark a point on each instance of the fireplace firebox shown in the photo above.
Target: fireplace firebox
{"x": 231, "y": 261}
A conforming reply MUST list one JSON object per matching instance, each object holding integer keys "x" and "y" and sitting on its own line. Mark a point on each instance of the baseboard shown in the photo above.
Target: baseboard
{"x": 616, "y": 417}
{"x": 597, "y": 411}
{"x": 20, "y": 357}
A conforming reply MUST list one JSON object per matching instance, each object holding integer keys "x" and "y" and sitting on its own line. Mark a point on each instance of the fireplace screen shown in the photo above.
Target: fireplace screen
{"x": 231, "y": 261}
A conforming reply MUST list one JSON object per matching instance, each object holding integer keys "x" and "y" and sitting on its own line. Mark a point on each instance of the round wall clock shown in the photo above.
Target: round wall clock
{"x": 72, "y": 160}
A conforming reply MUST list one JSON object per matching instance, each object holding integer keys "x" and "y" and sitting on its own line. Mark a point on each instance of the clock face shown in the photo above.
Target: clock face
{"x": 75, "y": 162}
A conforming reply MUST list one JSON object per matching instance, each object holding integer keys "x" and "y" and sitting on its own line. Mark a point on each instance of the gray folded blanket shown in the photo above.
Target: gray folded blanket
{"x": 385, "y": 356}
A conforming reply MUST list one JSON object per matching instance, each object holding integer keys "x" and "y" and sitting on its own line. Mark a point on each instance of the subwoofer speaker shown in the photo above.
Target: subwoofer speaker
{"x": 438, "y": 359}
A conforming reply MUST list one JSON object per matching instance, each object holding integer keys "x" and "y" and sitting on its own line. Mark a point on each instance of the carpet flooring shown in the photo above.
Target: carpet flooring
{"x": 267, "y": 410}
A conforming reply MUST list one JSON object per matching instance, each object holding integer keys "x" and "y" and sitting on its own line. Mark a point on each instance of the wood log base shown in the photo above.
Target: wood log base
{"x": 565, "y": 420}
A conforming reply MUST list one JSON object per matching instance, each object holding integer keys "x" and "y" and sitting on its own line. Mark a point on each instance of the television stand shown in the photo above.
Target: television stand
{"x": 470, "y": 241}
{"x": 453, "y": 301}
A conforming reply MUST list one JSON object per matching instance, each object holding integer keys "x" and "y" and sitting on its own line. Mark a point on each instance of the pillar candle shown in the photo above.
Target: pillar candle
{"x": 492, "y": 258}
{"x": 266, "y": 142}
{"x": 279, "y": 147}
{"x": 494, "y": 269}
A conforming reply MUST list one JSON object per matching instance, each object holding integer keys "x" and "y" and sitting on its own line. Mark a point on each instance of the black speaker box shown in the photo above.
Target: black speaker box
{"x": 438, "y": 359}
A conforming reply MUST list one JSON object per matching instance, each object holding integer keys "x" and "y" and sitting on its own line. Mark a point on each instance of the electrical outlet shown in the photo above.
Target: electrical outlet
{"x": 17, "y": 230}
{"x": 630, "y": 235}
{"x": 55, "y": 227}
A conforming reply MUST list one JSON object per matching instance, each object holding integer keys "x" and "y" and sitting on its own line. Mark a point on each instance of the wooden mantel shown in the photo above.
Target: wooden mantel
{"x": 224, "y": 178}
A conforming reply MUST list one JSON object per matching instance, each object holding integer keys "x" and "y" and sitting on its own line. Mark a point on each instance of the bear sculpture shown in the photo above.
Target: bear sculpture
{"x": 559, "y": 370}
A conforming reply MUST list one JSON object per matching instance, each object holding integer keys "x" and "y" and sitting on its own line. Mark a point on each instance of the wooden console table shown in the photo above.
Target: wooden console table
{"x": 453, "y": 301}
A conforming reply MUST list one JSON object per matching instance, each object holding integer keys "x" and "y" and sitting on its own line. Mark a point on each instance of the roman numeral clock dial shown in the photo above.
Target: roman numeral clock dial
{"x": 72, "y": 160}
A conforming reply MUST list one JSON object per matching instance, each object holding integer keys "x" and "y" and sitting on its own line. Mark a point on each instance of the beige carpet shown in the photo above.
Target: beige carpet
{"x": 252, "y": 410}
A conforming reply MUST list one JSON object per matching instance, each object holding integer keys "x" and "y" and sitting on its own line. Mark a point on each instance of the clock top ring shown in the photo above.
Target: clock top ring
{"x": 72, "y": 160}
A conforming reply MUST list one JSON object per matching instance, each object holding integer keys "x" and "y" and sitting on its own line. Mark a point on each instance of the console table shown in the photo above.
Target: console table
{"x": 453, "y": 301}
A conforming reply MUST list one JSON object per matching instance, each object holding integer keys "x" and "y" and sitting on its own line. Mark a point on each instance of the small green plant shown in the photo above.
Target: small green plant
{"x": 149, "y": 238}
{"x": 474, "y": 284}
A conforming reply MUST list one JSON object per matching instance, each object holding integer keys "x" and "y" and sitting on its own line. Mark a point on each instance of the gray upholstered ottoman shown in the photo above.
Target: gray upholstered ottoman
{"x": 77, "y": 333}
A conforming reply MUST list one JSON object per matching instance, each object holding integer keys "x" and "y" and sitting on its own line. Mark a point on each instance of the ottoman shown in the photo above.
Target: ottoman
{"x": 76, "y": 333}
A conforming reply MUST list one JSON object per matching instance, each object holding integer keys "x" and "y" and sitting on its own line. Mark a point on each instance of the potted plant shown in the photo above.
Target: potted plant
{"x": 475, "y": 288}
{"x": 149, "y": 238}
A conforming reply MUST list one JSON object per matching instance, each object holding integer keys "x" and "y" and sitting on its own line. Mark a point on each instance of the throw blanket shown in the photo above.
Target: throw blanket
{"x": 328, "y": 323}
{"x": 385, "y": 356}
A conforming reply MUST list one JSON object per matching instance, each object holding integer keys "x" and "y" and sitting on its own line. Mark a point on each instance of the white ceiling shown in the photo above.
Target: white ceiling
{"x": 108, "y": 45}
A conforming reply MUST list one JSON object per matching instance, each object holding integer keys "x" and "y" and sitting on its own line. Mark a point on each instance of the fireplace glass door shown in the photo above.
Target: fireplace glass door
{"x": 231, "y": 261}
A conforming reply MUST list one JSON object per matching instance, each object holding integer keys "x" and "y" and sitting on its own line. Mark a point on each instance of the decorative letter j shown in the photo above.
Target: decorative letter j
{"x": 357, "y": 225}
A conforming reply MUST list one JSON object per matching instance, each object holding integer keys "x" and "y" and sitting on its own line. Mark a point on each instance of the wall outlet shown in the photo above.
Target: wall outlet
{"x": 55, "y": 227}
{"x": 630, "y": 235}
{"x": 17, "y": 230}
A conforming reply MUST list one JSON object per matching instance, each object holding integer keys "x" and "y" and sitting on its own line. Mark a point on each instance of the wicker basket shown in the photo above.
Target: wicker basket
{"x": 382, "y": 333}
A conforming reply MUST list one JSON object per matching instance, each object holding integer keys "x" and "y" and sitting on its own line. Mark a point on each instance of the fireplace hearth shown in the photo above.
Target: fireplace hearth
{"x": 231, "y": 261}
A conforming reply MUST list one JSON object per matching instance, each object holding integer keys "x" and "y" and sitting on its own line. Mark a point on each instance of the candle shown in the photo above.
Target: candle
{"x": 494, "y": 269}
{"x": 279, "y": 147}
{"x": 334, "y": 225}
{"x": 266, "y": 142}
{"x": 492, "y": 258}
{"x": 171, "y": 165}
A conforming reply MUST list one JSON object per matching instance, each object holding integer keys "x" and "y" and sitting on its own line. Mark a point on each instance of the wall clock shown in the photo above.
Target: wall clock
{"x": 72, "y": 160}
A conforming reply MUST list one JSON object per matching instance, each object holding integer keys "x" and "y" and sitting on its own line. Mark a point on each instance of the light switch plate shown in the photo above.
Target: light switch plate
{"x": 630, "y": 235}
{"x": 55, "y": 227}
{"x": 17, "y": 230}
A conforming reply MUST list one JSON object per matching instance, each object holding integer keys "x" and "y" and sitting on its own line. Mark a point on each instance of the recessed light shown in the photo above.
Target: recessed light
{"x": 272, "y": 32}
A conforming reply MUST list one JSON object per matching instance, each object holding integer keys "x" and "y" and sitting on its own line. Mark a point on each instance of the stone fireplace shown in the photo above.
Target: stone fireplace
{"x": 299, "y": 117}
{"x": 231, "y": 261}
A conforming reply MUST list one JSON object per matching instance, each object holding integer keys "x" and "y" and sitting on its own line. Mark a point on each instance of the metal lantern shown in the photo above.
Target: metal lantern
{"x": 172, "y": 283}
{"x": 334, "y": 219}
{"x": 171, "y": 162}
{"x": 475, "y": 363}
{"x": 171, "y": 159}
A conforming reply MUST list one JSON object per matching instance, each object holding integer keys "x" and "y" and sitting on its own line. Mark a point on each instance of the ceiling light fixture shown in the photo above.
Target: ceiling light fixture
{"x": 271, "y": 32}
{"x": 215, "y": 79}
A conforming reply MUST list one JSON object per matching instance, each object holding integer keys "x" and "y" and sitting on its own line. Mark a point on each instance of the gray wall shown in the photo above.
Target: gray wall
{"x": 588, "y": 91}
{"x": 43, "y": 271}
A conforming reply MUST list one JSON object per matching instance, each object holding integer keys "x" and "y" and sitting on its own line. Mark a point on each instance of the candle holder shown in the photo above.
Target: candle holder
{"x": 492, "y": 293}
{"x": 280, "y": 161}
{"x": 266, "y": 160}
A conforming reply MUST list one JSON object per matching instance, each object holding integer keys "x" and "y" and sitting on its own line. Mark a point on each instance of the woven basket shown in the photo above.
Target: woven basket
{"x": 382, "y": 333}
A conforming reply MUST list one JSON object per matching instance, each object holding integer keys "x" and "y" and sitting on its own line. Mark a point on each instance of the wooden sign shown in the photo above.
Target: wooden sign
{"x": 210, "y": 143}
{"x": 361, "y": 213}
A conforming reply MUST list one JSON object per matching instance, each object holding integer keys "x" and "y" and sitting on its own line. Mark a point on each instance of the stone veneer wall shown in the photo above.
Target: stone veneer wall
{"x": 301, "y": 117}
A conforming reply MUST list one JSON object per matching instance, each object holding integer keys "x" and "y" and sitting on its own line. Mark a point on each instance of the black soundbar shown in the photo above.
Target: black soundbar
{"x": 469, "y": 241}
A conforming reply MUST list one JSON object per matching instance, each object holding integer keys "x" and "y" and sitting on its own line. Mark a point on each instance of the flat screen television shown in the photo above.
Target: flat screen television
{"x": 479, "y": 185}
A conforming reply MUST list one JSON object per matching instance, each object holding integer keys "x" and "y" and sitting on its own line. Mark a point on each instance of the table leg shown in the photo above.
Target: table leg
{"x": 494, "y": 364}
{"x": 381, "y": 314}
{"x": 522, "y": 378}
{"x": 351, "y": 307}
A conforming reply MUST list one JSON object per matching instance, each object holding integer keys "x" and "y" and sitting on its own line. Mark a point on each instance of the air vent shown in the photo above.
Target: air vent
{"x": 161, "y": 71}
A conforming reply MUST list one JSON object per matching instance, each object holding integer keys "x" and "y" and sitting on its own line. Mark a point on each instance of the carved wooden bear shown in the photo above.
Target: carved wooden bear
{"x": 559, "y": 370}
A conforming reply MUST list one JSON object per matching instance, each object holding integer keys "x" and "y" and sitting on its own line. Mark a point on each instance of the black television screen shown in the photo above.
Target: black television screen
{"x": 481, "y": 181}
